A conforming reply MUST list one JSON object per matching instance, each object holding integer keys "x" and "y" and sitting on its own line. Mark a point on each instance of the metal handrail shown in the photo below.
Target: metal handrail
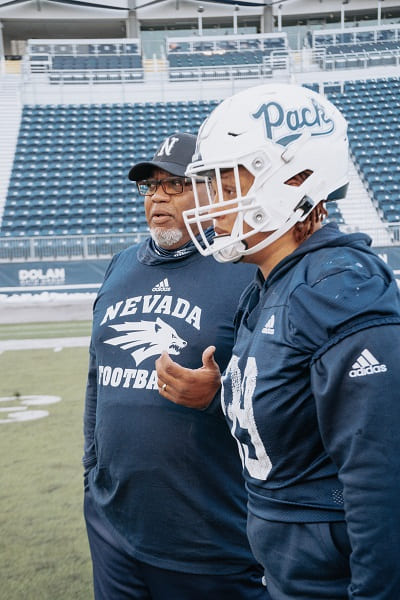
{"x": 84, "y": 247}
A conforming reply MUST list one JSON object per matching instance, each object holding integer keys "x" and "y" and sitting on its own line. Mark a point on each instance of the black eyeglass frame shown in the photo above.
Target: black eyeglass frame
{"x": 184, "y": 181}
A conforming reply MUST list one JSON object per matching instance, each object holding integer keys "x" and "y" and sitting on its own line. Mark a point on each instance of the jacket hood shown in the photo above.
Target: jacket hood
{"x": 329, "y": 236}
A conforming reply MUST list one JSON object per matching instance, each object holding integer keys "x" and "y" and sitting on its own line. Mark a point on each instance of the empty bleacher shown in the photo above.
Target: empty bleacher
{"x": 248, "y": 55}
{"x": 355, "y": 47}
{"x": 69, "y": 176}
{"x": 71, "y": 164}
{"x": 82, "y": 61}
{"x": 372, "y": 110}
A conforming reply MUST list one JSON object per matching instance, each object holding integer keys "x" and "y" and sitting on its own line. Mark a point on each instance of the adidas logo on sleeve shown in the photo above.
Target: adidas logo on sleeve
{"x": 163, "y": 286}
{"x": 366, "y": 364}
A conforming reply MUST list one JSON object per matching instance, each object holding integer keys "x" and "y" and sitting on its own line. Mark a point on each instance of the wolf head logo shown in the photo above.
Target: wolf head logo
{"x": 150, "y": 338}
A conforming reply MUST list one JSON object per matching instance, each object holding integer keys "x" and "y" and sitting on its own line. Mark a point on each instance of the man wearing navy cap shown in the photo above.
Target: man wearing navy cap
{"x": 165, "y": 504}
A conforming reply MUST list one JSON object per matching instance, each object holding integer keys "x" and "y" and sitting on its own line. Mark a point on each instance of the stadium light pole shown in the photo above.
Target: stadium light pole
{"x": 200, "y": 11}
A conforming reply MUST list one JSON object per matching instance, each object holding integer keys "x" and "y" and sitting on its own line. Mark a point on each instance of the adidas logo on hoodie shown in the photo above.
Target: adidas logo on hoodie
{"x": 163, "y": 286}
{"x": 366, "y": 364}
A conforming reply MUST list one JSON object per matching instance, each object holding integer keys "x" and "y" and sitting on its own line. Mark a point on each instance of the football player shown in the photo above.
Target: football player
{"x": 165, "y": 504}
{"x": 312, "y": 390}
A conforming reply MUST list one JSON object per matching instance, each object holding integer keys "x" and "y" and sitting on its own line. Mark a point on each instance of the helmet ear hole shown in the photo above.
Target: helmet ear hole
{"x": 299, "y": 178}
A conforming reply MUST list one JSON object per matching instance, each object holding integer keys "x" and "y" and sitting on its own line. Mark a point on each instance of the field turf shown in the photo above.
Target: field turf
{"x": 44, "y": 553}
{"x": 15, "y": 331}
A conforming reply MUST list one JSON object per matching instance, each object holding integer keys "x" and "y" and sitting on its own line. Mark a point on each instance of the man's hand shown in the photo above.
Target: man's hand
{"x": 194, "y": 388}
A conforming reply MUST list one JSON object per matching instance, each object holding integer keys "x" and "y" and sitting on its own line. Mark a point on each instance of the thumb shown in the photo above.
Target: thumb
{"x": 208, "y": 358}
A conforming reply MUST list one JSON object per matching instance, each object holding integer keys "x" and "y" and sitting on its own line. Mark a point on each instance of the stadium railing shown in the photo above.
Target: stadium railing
{"x": 279, "y": 64}
{"x": 359, "y": 60}
{"x": 62, "y": 76}
{"x": 223, "y": 72}
{"x": 73, "y": 247}
{"x": 276, "y": 63}
{"x": 78, "y": 247}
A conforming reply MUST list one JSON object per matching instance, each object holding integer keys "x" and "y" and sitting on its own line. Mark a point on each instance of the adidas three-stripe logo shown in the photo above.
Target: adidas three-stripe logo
{"x": 163, "y": 286}
{"x": 269, "y": 326}
{"x": 366, "y": 364}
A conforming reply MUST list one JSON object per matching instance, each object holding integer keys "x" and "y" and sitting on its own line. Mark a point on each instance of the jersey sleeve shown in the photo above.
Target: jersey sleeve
{"x": 356, "y": 385}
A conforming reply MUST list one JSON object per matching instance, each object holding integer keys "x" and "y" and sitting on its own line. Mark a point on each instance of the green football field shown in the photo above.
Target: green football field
{"x": 44, "y": 553}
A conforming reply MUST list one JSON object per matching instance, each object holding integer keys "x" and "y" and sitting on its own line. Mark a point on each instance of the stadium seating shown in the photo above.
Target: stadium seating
{"x": 371, "y": 108}
{"x": 71, "y": 162}
{"x": 355, "y": 48}
{"x": 83, "y": 61}
{"x": 356, "y": 39}
{"x": 224, "y": 57}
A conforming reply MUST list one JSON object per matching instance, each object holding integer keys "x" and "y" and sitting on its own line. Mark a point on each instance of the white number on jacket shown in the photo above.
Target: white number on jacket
{"x": 240, "y": 413}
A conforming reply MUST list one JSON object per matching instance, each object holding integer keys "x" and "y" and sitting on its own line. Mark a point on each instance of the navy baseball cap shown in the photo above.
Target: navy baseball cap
{"x": 173, "y": 155}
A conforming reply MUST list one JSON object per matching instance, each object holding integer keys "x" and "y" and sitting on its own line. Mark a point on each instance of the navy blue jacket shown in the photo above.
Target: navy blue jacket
{"x": 312, "y": 394}
{"x": 166, "y": 479}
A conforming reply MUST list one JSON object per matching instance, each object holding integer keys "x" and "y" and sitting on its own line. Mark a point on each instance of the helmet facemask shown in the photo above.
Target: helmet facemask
{"x": 252, "y": 217}
{"x": 219, "y": 204}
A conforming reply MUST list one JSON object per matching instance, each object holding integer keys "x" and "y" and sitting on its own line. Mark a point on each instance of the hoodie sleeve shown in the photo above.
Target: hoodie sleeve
{"x": 89, "y": 419}
{"x": 356, "y": 384}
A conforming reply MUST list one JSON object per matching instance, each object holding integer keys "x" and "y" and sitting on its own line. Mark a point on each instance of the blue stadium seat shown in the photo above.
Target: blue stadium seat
{"x": 374, "y": 134}
{"x": 71, "y": 162}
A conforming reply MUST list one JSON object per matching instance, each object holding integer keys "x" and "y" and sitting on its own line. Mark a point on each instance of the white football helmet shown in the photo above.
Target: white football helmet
{"x": 275, "y": 131}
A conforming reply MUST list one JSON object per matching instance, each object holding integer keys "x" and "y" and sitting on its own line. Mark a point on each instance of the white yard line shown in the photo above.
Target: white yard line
{"x": 55, "y": 343}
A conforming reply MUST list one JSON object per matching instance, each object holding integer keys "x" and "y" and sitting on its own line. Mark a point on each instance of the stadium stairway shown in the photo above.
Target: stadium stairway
{"x": 359, "y": 203}
{"x": 155, "y": 65}
{"x": 10, "y": 111}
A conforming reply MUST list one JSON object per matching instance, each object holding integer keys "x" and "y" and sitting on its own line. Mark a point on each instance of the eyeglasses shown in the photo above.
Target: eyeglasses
{"x": 170, "y": 185}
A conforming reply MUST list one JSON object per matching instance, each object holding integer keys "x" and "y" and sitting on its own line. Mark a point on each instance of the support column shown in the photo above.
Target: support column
{"x": 379, "y": 12}
{"x": 200, "y": 11}
{"x": 267, "y": 21}
{"x": 235, "y": 19}
{"x": 280, "y": 17}
{"x": 2, "y": 60}
{"x": 342, "y": 17}
{"x": 132, "y": 24}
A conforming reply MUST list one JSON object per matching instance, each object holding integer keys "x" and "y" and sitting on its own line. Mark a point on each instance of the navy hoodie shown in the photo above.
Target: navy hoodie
{"x": 312, "y": 394}
{"x": 166, "y": 479}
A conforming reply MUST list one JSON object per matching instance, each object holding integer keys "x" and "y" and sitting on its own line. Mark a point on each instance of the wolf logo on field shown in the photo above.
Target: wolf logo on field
{"x": 150, "y": 338}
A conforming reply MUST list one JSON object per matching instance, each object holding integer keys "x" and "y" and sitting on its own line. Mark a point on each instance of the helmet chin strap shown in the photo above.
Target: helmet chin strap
{"x": 231, "y": 253}
{"x": 238, "y": 249}
{"x": 228, "y": 248}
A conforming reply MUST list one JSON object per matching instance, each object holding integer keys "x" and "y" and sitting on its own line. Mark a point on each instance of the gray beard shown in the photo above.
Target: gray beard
{"x": 166, "y": 237}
